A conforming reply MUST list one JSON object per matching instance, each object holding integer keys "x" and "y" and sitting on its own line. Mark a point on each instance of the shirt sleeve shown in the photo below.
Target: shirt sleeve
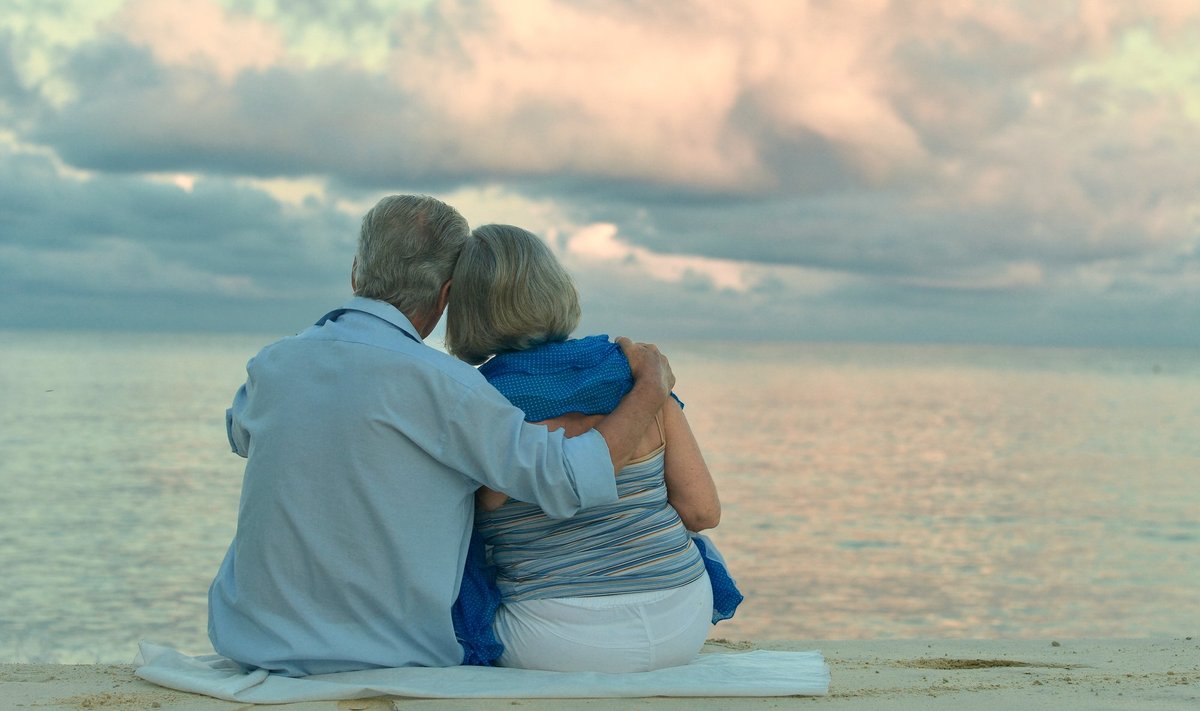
{"x": 598, "y": 486}
{"x": 489, "y": 441}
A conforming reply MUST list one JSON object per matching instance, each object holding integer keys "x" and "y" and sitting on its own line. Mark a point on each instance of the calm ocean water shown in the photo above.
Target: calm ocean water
{"x": 869, "y": 491}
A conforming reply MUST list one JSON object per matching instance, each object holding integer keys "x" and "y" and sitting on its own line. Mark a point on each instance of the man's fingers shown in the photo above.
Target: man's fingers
{"x": 637, "y": 352}
{"x": 668, "y": 375}
{"x": 633, "y": 347}
{"x": 646, "y": 359}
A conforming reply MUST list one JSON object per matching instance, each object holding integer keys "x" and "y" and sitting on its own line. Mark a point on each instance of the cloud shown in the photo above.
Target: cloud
{"x": 810, "y": 164}
{"x": 960, "y": 109}
{"x": 116, "y": 266}
{"x": 199, "y": 33}
{"x": 82, "y": 240}
{"x": 600, "y": 243}
{"x": 703, "y": 98}
{"x": 14, "y": 95}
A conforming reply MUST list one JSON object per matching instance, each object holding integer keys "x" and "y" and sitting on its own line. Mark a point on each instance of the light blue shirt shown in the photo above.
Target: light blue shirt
{"x": 364, "y": 449}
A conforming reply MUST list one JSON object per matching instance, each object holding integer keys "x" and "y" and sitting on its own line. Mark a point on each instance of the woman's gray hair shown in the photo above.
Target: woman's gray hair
{"x": 407, "y": 249}
{"x": 509, "y": 294}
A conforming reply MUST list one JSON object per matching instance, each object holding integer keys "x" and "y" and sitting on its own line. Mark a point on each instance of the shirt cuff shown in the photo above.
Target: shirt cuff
{"x": 229, "y": 430}
{"x": 230, "y": 424}
{"x": 592, "y": 469}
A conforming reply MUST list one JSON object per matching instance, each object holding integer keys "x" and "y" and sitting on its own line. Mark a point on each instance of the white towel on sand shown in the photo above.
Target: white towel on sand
{"x": 756, "y": 673}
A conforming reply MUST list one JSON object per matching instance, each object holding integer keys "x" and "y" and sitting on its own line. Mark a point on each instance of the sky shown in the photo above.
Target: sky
{"x": 944, "y": 171}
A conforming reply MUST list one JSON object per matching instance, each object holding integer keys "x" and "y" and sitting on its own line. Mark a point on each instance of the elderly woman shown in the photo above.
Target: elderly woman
{"x": 620, "y": 587}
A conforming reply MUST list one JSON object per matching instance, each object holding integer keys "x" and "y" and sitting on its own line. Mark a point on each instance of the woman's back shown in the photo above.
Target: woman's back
{"x": 635, "y": 544}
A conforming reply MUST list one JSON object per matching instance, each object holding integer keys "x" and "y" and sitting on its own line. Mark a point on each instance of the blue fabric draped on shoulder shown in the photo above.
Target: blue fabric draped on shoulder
{"x": 587, "y": 375}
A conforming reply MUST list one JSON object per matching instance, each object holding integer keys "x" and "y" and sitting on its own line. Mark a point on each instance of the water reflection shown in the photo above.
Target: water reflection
{"x": 950, "y": 496}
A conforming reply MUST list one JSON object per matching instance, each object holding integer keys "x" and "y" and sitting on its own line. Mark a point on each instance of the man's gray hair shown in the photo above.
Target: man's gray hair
{"x": 509, "y": 294}
{"x": 407, "y": 249}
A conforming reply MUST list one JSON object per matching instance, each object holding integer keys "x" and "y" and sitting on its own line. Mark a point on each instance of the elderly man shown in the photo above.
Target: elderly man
{"x": 364, "y": 450}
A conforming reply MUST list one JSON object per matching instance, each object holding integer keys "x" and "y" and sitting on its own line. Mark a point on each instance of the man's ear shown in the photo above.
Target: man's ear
{"x": 444, "y": 296}
{"x": 353, "y": 271}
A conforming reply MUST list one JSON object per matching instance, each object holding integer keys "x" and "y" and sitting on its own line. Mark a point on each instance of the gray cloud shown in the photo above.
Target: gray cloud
{"x": 215, "y": 255}
{"x": 135, "y": 115}
{"x": 867, "y": 233}
{"x": 13, "y": 94}
{"x": 871, "y": 310}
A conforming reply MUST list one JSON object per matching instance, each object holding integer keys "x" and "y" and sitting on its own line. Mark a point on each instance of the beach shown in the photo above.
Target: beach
{"x": 1159, "y": 674}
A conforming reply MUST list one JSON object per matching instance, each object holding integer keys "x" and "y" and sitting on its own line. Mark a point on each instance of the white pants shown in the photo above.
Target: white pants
{"x": 613, "y": 633}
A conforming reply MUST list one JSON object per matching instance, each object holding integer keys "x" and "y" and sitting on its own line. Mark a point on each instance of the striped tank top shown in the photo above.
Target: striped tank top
{"x": 636, "y": 544}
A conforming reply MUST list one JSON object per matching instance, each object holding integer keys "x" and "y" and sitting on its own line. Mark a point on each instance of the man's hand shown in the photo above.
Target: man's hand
{"x": 648, "y": 364}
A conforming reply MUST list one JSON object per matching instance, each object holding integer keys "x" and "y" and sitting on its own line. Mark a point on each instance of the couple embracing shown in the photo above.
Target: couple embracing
{"x": 379, "y": 471}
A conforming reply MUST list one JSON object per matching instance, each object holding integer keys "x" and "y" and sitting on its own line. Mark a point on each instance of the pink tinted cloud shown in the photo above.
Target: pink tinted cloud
{"x": 691, "y": 93}
{"x": 200, "y": 33}
{"x": 976, "y": 98}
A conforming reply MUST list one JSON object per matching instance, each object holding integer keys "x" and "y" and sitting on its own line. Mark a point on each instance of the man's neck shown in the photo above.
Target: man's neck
{"x": 424, "y": 323}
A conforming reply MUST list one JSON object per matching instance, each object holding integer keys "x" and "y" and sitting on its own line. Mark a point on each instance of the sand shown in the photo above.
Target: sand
{"x": 1159, "y": 674}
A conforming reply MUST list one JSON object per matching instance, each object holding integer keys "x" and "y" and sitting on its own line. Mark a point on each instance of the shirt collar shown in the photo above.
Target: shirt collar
{"x": 378, "y": 309}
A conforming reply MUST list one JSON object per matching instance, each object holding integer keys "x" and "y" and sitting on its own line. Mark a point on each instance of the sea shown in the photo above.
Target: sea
{"x": 869, "y": 491}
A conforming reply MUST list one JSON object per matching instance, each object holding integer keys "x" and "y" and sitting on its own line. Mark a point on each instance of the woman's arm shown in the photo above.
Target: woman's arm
{"x": 690, "y": 487}
{"x": 489, "y": 499}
